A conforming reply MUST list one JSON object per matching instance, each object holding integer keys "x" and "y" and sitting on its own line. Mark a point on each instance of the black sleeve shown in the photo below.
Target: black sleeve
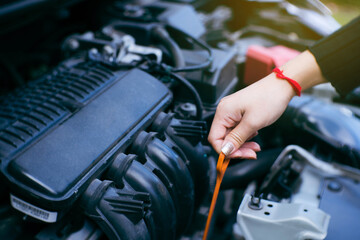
{"x": 338, "y": 56}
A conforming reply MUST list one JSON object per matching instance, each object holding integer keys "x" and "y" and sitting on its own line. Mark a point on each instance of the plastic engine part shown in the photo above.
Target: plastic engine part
{"x": 213, "y": 83}
{"x": 332, "y": 125}
{"x": 119, "y": 213}
{"x": 261, "y": 60}
{"x": 157, "y": 154}
{"x": 128, "y": 172}
{"x": 67, "y": 126}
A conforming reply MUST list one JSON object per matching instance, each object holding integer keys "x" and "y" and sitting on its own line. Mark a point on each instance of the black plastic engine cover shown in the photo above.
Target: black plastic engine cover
{"x": 73, "y": 121}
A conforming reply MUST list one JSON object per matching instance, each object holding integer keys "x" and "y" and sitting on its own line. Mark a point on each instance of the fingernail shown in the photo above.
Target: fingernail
{"x": 228, "y": 148}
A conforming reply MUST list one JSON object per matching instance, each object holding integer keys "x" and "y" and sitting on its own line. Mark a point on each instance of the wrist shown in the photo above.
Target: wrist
{"x": 294, "y": 84}
{"x": 278, "y": 87}
{"x": 304, "y": 70}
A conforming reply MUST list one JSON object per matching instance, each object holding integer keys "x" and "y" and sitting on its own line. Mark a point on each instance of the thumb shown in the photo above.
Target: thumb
{"x": 237, "y": 137}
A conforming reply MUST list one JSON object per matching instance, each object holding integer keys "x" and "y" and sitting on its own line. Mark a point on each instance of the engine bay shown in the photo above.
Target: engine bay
{"x": 105, "y": 108}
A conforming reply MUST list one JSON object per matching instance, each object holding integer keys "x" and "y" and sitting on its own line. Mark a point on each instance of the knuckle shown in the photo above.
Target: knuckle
{"x": 223, "y": 102}
{"x": 237, "y": 137}
{"x": 221, "y": 105}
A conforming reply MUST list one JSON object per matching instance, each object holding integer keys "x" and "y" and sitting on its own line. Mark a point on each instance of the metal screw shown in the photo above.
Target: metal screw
{"x": 255, "y": 203}
{"x": 334, "y": 186}
{"x": 94, "y": 51}
{"x": 108, "y": 50}
{"x": 73, "y": 44}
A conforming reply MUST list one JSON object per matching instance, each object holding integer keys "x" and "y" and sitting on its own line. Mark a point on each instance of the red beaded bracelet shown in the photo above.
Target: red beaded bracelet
{"x": 296, "y": 86}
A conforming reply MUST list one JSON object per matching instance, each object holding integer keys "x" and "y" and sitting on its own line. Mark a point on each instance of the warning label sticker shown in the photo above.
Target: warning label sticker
{"x": 32, "y": 210}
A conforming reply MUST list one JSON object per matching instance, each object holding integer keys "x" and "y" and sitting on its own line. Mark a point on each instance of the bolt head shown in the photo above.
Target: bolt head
{"x": 73, "y": 44}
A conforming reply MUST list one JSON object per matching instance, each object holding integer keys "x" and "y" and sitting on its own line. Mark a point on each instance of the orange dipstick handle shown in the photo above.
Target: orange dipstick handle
{"x": 220, "y": 169}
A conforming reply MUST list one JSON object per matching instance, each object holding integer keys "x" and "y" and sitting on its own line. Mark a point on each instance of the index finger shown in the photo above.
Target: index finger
{"x": 220, "y": 127}
{"x": 217, "y": 135}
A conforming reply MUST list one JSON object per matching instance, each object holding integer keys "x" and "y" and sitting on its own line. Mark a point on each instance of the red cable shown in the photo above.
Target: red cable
{"x": 295, "y": 85}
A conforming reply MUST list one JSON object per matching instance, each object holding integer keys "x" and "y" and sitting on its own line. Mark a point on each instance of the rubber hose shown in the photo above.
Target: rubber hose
{"x": 194, "y": 92}
{"x": 164, "y": 38}
{"x": 199, "y": 43}
{"x": 241, "y": 174}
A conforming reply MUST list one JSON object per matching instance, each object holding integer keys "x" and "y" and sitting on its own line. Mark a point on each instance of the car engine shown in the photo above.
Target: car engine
{"x": 105, "y": 108}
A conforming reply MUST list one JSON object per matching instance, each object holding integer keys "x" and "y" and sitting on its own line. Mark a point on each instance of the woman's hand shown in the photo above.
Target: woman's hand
{"x": 239, "y": 116}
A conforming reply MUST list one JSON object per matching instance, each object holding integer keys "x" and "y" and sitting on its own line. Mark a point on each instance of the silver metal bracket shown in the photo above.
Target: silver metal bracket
{"x": 291, "y": 221}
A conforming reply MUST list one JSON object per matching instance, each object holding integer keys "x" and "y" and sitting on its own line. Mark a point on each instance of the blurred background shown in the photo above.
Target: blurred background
{"x": 343, "y": 10}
